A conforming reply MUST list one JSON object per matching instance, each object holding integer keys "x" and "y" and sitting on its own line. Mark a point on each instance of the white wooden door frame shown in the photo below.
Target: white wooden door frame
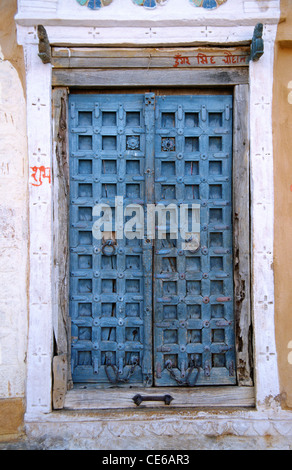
{"x": 41, "y": 302}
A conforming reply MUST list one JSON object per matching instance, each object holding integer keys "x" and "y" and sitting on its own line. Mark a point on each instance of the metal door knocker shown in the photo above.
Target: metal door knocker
{"x": 108, "y": 248}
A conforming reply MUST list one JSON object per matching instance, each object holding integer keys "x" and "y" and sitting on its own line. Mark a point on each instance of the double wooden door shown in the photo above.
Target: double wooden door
{"x": 151, "y": 291}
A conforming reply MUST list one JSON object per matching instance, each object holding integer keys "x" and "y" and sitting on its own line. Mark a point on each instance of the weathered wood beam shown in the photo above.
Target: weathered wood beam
{"x": 143, "y": 77}
{"x": 241, "y": 235}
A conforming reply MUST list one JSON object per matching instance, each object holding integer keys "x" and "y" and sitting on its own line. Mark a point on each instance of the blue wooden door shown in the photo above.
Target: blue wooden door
{"x": 193, "y": 288}
{"x": 109, "y": 288}
{"x": 151, "y": 312}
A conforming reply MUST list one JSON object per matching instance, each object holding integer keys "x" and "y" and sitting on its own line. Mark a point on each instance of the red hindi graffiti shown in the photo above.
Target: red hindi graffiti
{"x": 180, "y": 60}
{"x": 203, "y": 59}
{"x": 39, "y": 173}
{"x": 233, "y": 59}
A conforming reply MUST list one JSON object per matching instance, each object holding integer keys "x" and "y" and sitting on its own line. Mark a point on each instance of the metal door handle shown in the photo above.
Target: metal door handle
{"x": 108, "y": 248}
{"x": 138, "y": 399}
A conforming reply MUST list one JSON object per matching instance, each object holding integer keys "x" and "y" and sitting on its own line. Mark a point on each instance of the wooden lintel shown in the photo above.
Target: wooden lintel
{"x": 182, "y": 58}
{"x": 155, "y": 77}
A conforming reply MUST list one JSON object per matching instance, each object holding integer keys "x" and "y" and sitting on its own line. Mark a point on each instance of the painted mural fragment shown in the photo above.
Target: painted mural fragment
{"x": 150, "y": 3}
{"x": 95, "y": 4}
{"x": 208, "y": 4}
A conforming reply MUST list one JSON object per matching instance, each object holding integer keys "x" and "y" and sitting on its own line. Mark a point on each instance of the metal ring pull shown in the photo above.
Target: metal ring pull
{"x": 117, "y": 379}
{"x": 196, "y": 246}
{"x": 180, "y": 380}
{"x": 108, "y": 248}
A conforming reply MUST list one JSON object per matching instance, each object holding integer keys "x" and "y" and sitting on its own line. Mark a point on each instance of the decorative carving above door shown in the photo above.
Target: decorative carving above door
{"x": 150, "y": 4}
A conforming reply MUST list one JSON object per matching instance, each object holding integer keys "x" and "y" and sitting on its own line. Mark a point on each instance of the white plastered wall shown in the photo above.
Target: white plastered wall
{"x": 13, "y": 232}
{"x": 67, "y": 23}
